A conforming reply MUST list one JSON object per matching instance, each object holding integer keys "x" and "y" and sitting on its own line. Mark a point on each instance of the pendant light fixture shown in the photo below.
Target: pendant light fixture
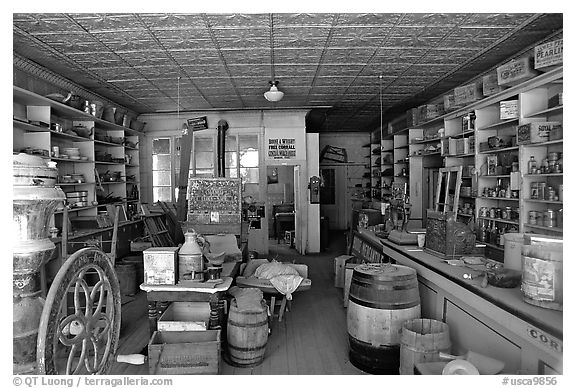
{"x": 273, "y": 95}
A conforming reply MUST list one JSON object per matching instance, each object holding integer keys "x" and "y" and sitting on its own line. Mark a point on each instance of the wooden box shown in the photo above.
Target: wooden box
{"x": 160, "y": 265}
{"x": 184, "y": 352}
{"x": 509, "y": 110}
{"x": 490, "y": 85}
{"x": 450, "y": 102}
{"x": 548, "y": 54}
{"x": 428, "y": 111}
{"x": 185, "y": 316}
{"x": 515, "y": 72}
{"x": 536, "y": 132}
{"x": 447, "y": 237}
{"x": 467, "y": 94}
{"x": 412, "y": 117}
{"x": 339, "y": 265}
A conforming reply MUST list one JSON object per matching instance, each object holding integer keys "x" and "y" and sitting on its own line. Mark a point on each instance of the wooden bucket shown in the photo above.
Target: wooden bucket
{"x": 542, "y": 271}
{"x": 421, "y": 341}
{"x": 247, "y": 334}
{"x": 382, "y": 297}
{"x": 126, "y": 274}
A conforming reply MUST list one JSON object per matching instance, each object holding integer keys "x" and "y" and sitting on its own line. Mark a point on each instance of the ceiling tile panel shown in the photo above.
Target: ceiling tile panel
{"x": 302, "y": 19}
{"x": 226, "y": 60}
{"x": 368, "y": 19}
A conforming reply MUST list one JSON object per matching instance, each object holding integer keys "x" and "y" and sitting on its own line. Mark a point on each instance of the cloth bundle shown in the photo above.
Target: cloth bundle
{"x": 283, "y": 277}
{"x": 247, "y": 299}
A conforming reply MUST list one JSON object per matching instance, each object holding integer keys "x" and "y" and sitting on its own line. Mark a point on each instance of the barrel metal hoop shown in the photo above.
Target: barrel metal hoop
{"x": 251, "y": 348}
{"x": 257, "y": 324}
{"x": 379, "y": 305}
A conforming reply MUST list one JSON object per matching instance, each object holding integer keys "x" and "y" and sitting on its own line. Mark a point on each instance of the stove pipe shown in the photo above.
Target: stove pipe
{"x": 221, "y": 139}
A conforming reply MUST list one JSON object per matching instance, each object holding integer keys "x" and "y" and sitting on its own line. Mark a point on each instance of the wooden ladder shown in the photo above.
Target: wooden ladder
{"x": 156, "y": 228}
{"x": 448, "y": 177}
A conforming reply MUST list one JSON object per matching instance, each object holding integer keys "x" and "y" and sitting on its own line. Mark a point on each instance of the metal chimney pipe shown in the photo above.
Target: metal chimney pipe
{"x": 221, "y": 139}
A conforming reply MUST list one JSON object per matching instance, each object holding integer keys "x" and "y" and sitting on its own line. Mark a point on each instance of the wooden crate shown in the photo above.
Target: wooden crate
{"x": 185, "y": 316}
{"x": 515, "y": 72}
{"x": 184, "y": 352}
{"x": 467, "y": 94}
{"x": 549, "y": 54}
{"x": 160, "y": 265}
{"x": 490, "y": 85}
{"x": 447, "y": 237}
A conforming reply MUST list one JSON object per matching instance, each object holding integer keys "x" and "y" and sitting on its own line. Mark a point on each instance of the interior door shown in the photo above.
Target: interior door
{"x": 333, "y": 203}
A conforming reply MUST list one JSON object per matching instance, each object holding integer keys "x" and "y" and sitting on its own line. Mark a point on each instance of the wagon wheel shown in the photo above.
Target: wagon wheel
{"x": 80, "y": 323}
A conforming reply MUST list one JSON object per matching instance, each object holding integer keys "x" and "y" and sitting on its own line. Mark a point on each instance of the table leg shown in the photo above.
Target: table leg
{"x": 162, "y": 307}
{"x": 214, "y": 322}
{"x": 152, "y": 316}
{"x": 282, "y": 308}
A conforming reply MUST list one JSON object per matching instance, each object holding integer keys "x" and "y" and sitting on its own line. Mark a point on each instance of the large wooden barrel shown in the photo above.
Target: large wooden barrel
{"x": 126, "y": 273}
{"x": 422, "y": 340}
{"x": 382, "y": 297}
{"x": 138, "y": 262}
{"x": 247, "y": 334}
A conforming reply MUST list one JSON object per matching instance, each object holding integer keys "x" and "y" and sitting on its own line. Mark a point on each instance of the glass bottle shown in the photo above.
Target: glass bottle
{"x": 494, "y": 234}
{"x": 532, "y": 165}
{"x": 544, "y": 166}
{"x": 482, "y": 236}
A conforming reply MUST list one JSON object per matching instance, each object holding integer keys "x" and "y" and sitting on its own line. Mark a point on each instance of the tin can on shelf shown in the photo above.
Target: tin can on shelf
{"x": 550, "y": 193}
{"x": 507, "y": 213}
{"x": 541, "y": 190}
{"x": 534, "y": 190}
{"x": 492, "y": 213}
{"x": 549, "y": 219}
{"x": 533, "y": 217}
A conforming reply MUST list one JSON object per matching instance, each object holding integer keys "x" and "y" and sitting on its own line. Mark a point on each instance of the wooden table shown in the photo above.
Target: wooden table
{"x": 160, "y": 295}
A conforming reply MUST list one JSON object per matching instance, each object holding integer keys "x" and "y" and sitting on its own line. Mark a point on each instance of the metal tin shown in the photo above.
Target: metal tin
{"x": 533, "y": 217}
{"x": 534, "y": 190}
{"x": 551, "y": 193}
{"x": 541, "y": 190}
{"x": 549, "y": 219}
{"x": 506, "y": 213}
{"x": 492, "y": 212}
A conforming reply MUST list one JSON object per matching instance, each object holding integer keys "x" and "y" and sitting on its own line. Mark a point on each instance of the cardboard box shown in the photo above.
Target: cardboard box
{"x": 515, "y": 72}
{"x": 468, "y": 122}
{"x": 467, "y": 94}
{"x": 160, "y": 265}
{"x": 428, "y": 112}
{"x": 184, "y": 352}
{"x": 536, "y": 132}
{"x": 509, "y": 110}
{"x": 490, "y": 85}
{"x": 549, "y": 54}
{"x": 412, "y": 117}
{"x": 450, "y": 102}
{"x": 185, "y": 316}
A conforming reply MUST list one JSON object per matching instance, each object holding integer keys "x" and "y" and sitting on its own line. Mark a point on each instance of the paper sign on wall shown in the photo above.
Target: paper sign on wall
{"x": 281, "y": 148}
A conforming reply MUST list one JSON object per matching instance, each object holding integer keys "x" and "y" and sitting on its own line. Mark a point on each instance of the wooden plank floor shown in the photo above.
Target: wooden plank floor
{"x": 311, "y": 339}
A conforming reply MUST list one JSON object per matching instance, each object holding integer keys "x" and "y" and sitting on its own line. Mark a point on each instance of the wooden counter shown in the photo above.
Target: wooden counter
{"x": 493, "y": 321}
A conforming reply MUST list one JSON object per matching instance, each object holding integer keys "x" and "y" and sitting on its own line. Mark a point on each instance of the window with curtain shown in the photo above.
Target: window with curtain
{"x": 161, "y": 169}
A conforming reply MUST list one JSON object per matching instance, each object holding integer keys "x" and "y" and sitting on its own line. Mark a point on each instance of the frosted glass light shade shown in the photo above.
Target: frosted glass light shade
{"x": 273, "y": 95}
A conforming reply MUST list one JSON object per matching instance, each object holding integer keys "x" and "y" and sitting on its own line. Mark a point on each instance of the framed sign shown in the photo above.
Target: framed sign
{"x": 198, "y": 123}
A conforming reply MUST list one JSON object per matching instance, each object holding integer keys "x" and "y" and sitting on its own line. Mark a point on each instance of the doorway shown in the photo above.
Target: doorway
{"x": 280, "y": 208}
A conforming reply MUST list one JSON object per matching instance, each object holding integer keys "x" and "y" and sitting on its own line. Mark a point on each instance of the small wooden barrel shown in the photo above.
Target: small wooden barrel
{"x": 247, "y": 334}
{"x": 126, "y": 274}
{"x": 422, "y": 340}
{"x": 382, "y": 297}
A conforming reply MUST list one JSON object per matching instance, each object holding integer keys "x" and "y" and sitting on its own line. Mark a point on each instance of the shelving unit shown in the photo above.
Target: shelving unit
{"x": 30, "y": 107}
{"x": 453, "y": 139}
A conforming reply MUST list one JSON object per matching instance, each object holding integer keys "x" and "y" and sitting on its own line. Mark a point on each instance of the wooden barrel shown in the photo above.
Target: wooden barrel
{"x": 381, "y": 298}
{"x": 126, "y": 274}
{"x": 422, "y": 340}
{"x": 542, "y": 271}
{"x": 247, "y": 334}
{"x": 138, "y": 262}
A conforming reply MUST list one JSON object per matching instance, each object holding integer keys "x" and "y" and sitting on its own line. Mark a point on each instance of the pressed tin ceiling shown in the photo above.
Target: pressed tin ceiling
{"x": 327, "y": 62}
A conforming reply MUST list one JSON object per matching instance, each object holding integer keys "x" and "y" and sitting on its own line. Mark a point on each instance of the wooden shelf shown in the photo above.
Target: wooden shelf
{"x": 546, "y": 143}
{"x": 501, "y": 220}
{"x": 461, "y": 134}
{"x": 499, "y": 124}
{"x": 72, "y": 160}
{"x": 496, "y": 150}
{"x": 111, "y": 163}
{"x": 546, "y": 111}
{"x": 547, "y": 228}
{"x": 499, "y": 199}
{"x": 544, "y": 201}
{"x": 461, "y": 155}
{"x": 108, "y": 144}
{"x": 75, "y": 184}
{"x": 69, "y": 137}
{"x": 426, "y": 154}
{"x": 543, "y": 175}
{"x": 494, "y": 176}
{"x": 416, "y": 142}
